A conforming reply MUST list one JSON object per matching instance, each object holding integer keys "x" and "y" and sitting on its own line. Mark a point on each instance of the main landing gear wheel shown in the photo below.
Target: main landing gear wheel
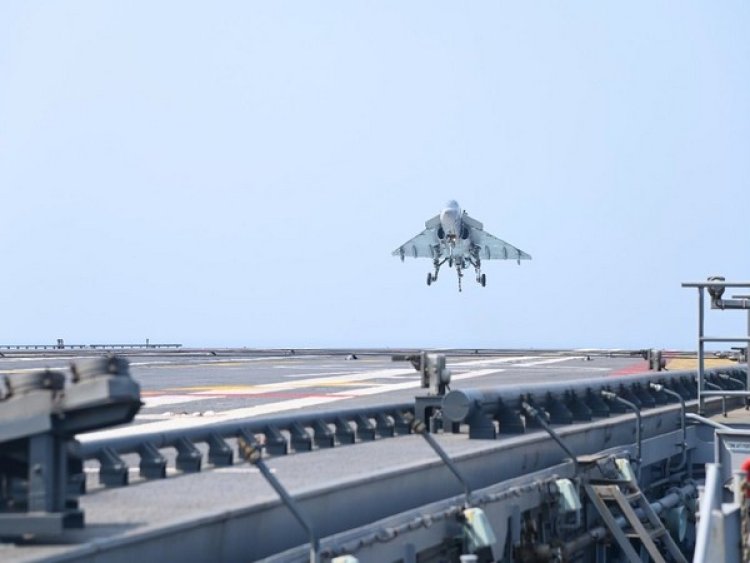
{"x": 483, "y": 280}
{"x": 429, "y": 279}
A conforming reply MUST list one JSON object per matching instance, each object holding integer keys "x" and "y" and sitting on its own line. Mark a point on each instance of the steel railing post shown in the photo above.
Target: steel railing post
{"x": 701, "y": 352}
{"x": 638, "y": 422}
{"x": 419, "y": 427}
{"x": 253, "y": 453}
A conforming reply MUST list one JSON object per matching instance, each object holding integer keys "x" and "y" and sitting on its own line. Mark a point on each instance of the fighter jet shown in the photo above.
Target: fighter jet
{"x": 454, "y": 237}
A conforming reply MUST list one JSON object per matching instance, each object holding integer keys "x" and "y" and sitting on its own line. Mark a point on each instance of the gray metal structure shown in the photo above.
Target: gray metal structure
{"x": 40, "y": 414}
{"x": 716, "y": 285}
{"x": 454, "y": 237}
{"x": 486, "y": 413}
{"x": 279, "y": 435}
{"x": 523, "y": 455}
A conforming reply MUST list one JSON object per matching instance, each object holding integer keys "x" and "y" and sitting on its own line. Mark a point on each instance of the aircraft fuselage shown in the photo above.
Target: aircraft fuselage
{"x": 450, "y": 220}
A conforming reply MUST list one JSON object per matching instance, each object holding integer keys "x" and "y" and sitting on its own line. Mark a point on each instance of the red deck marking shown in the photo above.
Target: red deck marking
{"x": 639, "y": 367}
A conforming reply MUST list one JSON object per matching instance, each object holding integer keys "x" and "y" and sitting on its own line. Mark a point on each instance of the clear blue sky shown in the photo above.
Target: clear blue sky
{"x": 238, "y": 173}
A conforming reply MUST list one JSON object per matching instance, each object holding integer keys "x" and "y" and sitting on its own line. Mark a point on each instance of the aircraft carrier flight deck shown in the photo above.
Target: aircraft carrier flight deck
{"x": 157, "y": 485}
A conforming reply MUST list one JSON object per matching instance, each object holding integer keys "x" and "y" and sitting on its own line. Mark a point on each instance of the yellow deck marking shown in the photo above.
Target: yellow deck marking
{"x": 362, "y": 379}
{"x": 254, "y": 389}
{"x": 203, "y": 365}
{"x": 260, "y": 410}
{"x": 692, "y": 363}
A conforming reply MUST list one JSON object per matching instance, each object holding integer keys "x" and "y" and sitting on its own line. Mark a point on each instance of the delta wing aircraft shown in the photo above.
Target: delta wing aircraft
{"x": 455, "y": 237}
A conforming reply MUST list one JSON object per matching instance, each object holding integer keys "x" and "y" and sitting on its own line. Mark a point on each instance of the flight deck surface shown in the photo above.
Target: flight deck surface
{"x": 173, "y": 386}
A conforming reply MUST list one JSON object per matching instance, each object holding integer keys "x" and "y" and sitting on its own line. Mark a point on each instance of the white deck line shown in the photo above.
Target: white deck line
{"x": 259, "y": 410}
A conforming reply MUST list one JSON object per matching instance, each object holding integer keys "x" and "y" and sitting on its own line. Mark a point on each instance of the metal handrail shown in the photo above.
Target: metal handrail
{"x": 167, "y": 438}
{"x": 390, "y": 420}
{"x": 463, "y": 404}
{"x": 710, "y": 501}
